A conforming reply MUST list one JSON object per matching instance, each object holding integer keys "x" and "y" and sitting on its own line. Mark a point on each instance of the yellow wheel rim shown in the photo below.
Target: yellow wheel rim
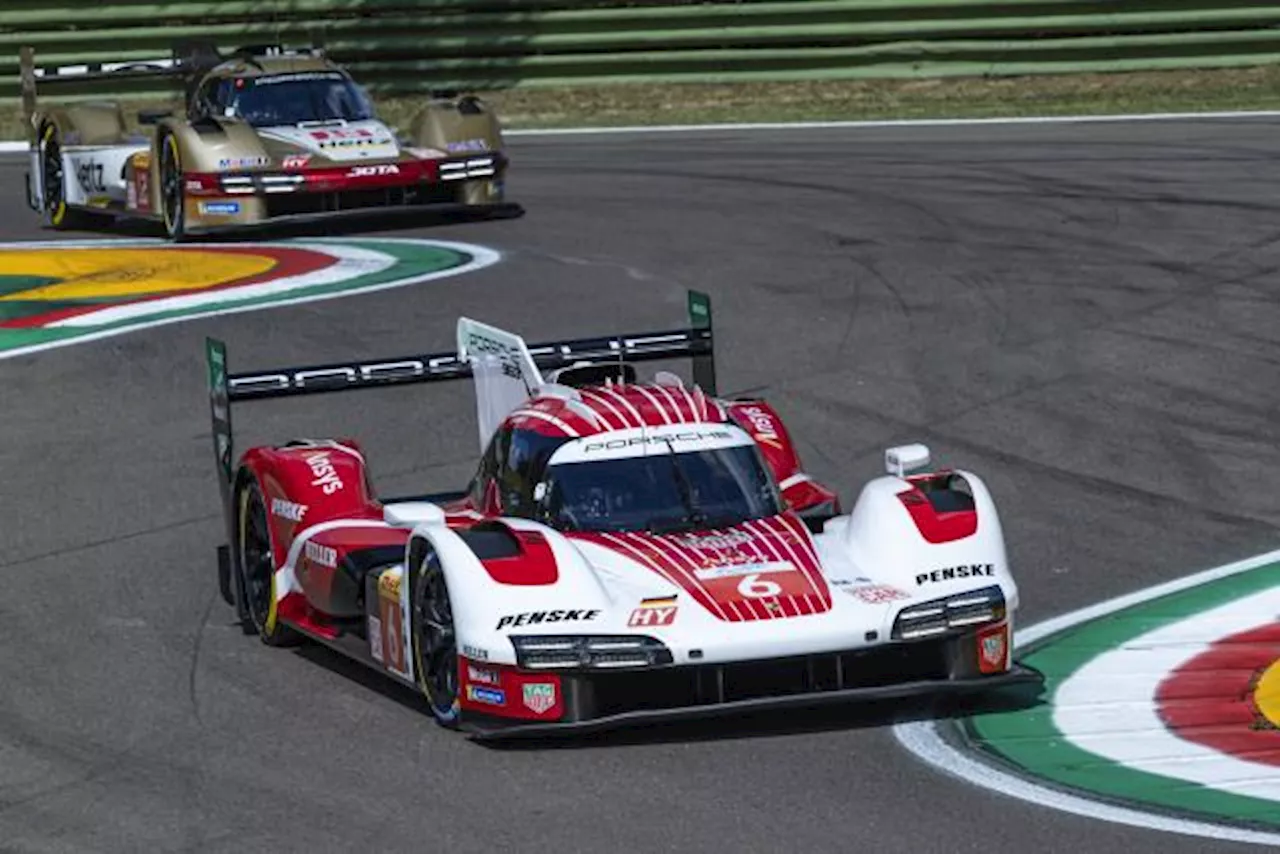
{"x": 58, "y": 213}
{"x": 268, "y": 625}
{"x": 170, "y": 217}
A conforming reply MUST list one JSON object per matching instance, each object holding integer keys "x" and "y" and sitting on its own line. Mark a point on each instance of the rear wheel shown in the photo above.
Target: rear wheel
{"x": 56, "y": 212}
{"x": 257, "y": 564}
{"x": 172, "y": 192}
{"x": 435, "y": 646}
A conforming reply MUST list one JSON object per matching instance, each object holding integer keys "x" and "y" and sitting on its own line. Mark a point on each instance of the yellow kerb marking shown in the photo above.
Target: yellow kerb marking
{"x": 1267, "y": 694}
{"x": 108, "y": 274}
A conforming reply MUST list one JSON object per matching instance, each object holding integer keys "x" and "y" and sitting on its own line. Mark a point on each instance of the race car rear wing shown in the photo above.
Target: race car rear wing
{"x": 225, "y": 388}
{"x": 188, "y": 62}
{"x": 182, "y": 63}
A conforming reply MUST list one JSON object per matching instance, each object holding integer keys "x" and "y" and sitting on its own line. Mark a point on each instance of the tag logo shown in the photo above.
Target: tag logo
{"x": 993, "y": 647}
{"x": 539, "y": 697}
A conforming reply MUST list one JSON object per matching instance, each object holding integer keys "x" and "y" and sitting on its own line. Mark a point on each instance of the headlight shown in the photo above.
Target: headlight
{"x": 597, "y": 652}
{"x": 952, "y": 612}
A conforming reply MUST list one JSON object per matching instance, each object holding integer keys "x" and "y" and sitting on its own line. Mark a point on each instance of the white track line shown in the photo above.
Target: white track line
{"x": 17, "y": 146}
{"x": 925, "y": 742}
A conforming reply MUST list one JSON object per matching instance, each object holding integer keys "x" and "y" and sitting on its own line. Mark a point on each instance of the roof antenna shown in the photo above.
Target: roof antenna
{"x": 275, "y": 22}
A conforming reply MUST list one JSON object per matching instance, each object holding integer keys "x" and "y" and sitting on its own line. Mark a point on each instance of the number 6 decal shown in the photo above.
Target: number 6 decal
{"x": 754, "y": 587}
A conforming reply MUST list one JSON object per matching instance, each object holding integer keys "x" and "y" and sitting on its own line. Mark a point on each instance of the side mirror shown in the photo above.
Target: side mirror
{"x": 153, "y": 116}
{"x": 904, "y": 459}
{"x": 410, "y": 514}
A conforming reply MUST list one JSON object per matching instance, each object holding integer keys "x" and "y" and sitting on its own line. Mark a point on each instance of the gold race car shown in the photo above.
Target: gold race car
{"x": 269, "y": 134}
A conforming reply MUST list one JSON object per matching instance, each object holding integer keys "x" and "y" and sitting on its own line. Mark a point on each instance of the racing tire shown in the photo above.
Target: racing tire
{"x": 435, "y": 645}
{"x": 256, "y": 563}
{"x": 173, "y": 211}
{"x": 57, "y": 214}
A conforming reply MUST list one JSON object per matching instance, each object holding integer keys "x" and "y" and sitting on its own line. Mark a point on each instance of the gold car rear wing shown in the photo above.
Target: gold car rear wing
{"x": 186, "y": 64}
{"x": 34, "y": 78}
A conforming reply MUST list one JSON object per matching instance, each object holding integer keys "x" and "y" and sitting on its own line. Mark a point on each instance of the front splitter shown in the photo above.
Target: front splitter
{"x": 1017, "y": 675}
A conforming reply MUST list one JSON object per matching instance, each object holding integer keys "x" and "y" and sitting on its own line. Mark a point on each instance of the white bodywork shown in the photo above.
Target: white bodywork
{"x": 340, "y": 142}
{"x": 93, "y": 176}
{"x": 876, "y": 546}
{"x": 874, "y": 562}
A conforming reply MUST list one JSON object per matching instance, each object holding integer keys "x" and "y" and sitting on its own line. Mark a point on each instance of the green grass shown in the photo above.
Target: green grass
{"x": 695, "y": 103}
{"x": 1085, "y": 94}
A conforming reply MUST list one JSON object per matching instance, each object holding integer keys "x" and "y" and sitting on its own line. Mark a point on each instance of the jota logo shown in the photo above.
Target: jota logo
{"x": 326, "y": 475}
{"x": 377, "y": 169}
{"x": 951, "y": 573}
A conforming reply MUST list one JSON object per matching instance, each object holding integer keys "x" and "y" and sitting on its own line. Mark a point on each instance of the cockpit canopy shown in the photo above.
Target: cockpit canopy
{"x": 277, "y": 100}
{"x": 681, "y": 477}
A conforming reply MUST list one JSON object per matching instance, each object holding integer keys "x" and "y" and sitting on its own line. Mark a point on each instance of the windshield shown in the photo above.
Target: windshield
{"x": 661, "y": 492}
{"x": 291, "y": 99}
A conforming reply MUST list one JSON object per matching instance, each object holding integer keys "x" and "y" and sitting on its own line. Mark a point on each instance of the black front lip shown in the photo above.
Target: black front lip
{"x": 1017, "y": 675}
{"x": 496, "y": 210}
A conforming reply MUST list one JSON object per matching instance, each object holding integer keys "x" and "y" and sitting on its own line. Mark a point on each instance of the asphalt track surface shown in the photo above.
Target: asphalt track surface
{"x": 1084, "y": 314}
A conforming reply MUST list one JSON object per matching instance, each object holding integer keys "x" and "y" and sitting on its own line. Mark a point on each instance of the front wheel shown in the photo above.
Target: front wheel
{"x": 435, "y": 647}
{"x": 257, "y": 565}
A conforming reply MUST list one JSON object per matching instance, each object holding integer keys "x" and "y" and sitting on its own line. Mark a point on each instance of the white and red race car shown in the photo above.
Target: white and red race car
{"x": 625, "y": 552}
